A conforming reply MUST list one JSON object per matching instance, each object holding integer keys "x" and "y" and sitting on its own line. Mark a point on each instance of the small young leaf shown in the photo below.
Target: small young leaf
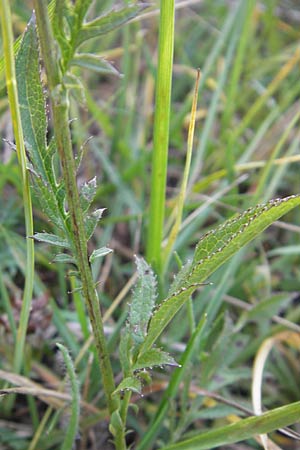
{"x": 91, "y": 221}
{"x": 108, "y": 22}
{"x": 99, "y": 253}
{"x": 64, "y": 258}
{"x": 130, "y": 383}
{"x": 154, "y": 357}
{"x": 51, "y": 239}
{"x": 143, "y": 301}
{"x": 87, "y": 193}
{"x": 94, "y": 62}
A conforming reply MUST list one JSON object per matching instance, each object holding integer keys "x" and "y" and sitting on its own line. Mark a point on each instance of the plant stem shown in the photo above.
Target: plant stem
{"x": 161, "y": 134}
{"x": 11, "y": 84}
{"x": 59, "y": 101}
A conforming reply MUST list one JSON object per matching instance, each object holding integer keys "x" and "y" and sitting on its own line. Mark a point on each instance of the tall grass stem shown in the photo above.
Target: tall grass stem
{"x": 161, "y": 134}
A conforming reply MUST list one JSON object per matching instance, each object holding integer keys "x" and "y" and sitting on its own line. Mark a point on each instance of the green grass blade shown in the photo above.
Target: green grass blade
{"x": 244, "y": 429}
{"x": 161, "y": 134}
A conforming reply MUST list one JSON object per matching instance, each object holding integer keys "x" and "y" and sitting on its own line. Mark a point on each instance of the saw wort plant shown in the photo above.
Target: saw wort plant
{"x": 54, "y": 36}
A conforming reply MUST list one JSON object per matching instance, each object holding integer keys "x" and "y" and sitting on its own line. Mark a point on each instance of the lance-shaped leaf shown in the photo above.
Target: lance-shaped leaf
{"x": 108, "y": 22}
{"x": 31, "y": 98}
{"x": 94, "y": 62}
{"x": 143, "y": 301}
{"x": 218, "y": 245}
{"x": 51, "y": 239}
{"x": 213, "y": 250}
{"x": 154, "y": 357}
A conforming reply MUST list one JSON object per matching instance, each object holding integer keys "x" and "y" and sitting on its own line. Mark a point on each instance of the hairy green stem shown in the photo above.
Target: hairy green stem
{"x": 161, "y": 134}
{"x": 11, "y": 84}
{"x": 59, "y": 102}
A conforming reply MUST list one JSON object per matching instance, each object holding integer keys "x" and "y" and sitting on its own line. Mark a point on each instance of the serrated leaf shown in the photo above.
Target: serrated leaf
{"x": 130, "y": 383}
{"x": 31, "y": 98}
{"x": 218, "y": 245}
{"x": 99, "y": 253}
{"x": 164, "y": 314}
{"x": 93, "y": 62}
{"x": 87, "y": 193}
{"x": 108, "y": 22}
{"x": 64, "y": 258}
{"x": 143, "y": 301}
{"x": 51, "y": 239}
{"x": 213, "y": 250}
{"x": 154, "y": 357}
